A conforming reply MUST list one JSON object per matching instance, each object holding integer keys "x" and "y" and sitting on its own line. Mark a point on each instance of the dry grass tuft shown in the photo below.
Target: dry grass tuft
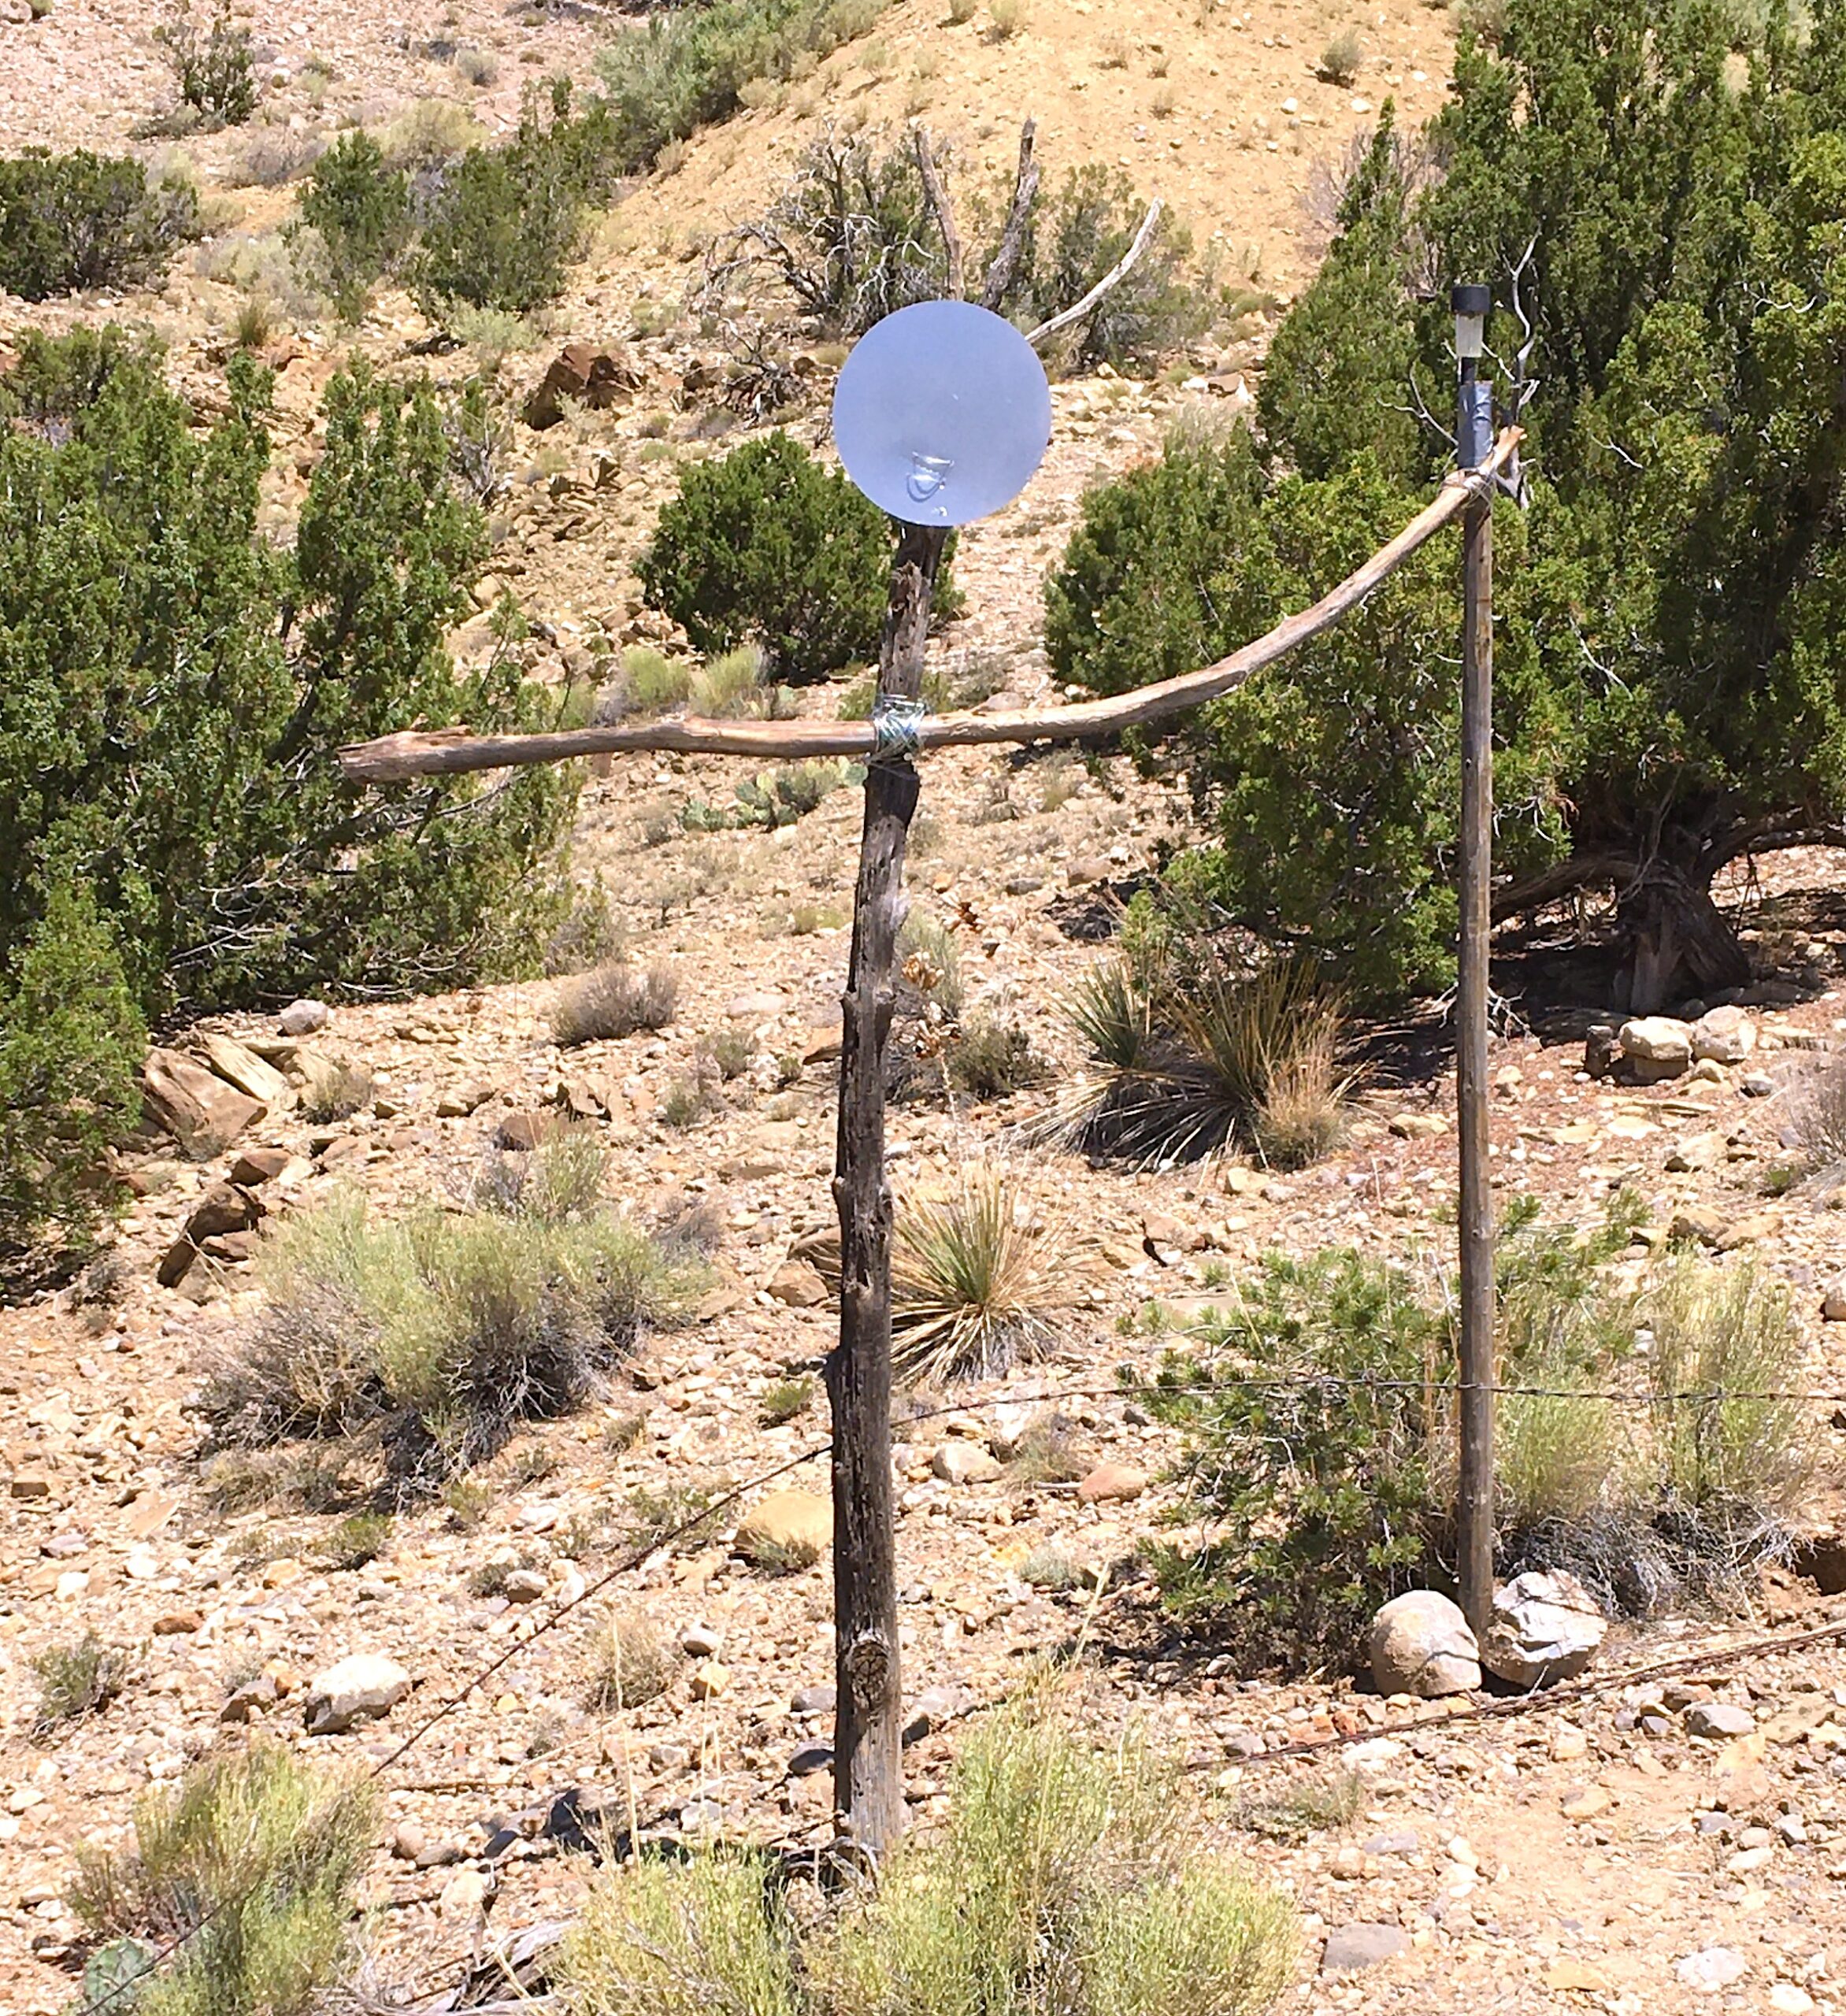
{"x": 78, "y": 1680}
{"x": 631, "y": 1665}
{"x": 612, "y": 1000}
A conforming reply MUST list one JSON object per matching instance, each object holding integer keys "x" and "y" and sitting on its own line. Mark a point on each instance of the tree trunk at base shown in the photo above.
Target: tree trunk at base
{"x": 1679, "y": 942}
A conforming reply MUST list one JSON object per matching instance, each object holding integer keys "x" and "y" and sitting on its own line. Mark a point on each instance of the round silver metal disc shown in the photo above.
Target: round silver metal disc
{"x": 942, "y": 412}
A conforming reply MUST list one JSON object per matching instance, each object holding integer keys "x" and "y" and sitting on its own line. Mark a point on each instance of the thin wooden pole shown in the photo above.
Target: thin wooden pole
{"x": 1474, "y": 1496}
{"x": 868, "y": 1741}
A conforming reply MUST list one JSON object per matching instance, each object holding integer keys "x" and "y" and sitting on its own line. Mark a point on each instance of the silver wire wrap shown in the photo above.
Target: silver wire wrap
{"x": 897, "y": 727}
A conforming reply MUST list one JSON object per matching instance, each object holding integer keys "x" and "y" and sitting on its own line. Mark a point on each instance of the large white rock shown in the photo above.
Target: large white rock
{"x": 1546, "y": 1627}
{"x": 1657, "y": 1040}
{"x": 1420, "y": 1643}
{"x": 358, "y": 1689}
{"x": 1726, "y": 1036}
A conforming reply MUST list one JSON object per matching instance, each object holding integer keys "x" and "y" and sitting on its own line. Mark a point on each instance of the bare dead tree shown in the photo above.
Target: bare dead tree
{"x": 928, "y": 166}
{"x": 1001, "y": 273}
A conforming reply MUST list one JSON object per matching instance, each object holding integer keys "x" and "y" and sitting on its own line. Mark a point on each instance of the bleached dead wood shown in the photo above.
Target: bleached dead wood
{"x": 444, "y": 752}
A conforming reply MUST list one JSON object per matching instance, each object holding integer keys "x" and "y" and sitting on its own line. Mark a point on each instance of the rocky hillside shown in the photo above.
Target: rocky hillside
{"x": 1672, "y": 1837}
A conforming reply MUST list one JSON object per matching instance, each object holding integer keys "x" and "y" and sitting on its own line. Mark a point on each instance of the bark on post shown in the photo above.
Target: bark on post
{"x": 868, "y": 1742}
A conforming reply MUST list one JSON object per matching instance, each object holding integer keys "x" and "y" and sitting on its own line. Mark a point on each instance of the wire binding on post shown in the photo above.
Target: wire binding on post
{"x": 897, "y": 727}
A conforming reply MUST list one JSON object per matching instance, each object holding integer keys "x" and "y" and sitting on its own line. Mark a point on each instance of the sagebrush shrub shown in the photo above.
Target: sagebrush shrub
{"x": 448, "y": 1329}
{"x": 254, "y": 1861}
{"x": 686, "y": 68}
{"x": 71, "y": 222}
{"x": 1065, "y": 1878}
{"x": 612, "y": 1000}
{"x": 766, "y": 545}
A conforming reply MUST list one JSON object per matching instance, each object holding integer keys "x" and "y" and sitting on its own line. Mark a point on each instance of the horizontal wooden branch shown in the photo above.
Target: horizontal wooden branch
{"x": 444, "y": 752}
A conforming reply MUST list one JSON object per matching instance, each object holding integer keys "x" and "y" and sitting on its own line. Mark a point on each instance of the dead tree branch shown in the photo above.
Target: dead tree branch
{"x": 1006, "y": 261}
{"x": 446, "y": 751}
{"x": 1116, "y": 274}
{"x": 936, "y": 197}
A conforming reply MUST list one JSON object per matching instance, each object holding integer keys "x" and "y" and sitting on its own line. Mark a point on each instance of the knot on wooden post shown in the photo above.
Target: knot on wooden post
{"x": 867, "y": 1666}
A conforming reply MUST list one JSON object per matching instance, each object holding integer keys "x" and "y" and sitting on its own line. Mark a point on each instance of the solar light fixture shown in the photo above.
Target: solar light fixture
{"x": 942, "y": 413}
{"x": 1471, "y": 301}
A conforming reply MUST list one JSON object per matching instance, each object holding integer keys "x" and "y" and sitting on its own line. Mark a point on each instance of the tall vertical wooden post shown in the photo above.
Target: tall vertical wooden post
{"x": 1474, "y": 1496}
{"x": 868, "y": 1742}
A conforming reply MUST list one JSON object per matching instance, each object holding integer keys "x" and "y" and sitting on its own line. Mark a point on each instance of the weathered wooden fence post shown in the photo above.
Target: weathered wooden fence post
{"x": 868, "y": 1775}
{"x": 1474, "y": 1495}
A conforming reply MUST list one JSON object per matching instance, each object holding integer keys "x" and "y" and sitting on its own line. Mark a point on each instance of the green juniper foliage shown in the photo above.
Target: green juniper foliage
{"x": 173, "y": 690}
{"x": 358, "y": 210}
{"x": 1671, "y": 690}
{"x": 70, "y": 222}
{"x": 764, "y": 543}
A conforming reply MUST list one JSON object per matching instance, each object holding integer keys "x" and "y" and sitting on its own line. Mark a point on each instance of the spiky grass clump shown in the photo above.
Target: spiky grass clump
{"x": 974, "y": 1284}
{"x": 612, "y": 1000}
{"x": 79, "y": 1680}
{"x": 1191, "y": 1059}
{"x": 256, "y": 1858}
{"x": 783, "y": 1399}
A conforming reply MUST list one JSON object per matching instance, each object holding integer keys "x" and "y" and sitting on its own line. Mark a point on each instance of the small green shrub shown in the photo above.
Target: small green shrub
{"x": 1066, "y": 1877}
{"x": 612, "y": 1000}
{"x": 1731, "y": 1333}
{"x": 991, "y": 1058}
{"x": 1318, "y": 1804}
{"x": 213, "y": 66}
{"x": 254, "y": 1861}
{"x": 1340, "y": 59}
{"x": 687, "y": 68}
{"x": 71, "y": 222}
{"x": 71, "y": 1045}
{"x": 764, "y": 544}
{"x": 652, "y": 681}
{"x": 671, "y": 1937}
{"x": 730, "y": 684}
{"x": 1007, "y": 17}
{"x": 502, "y": 224}
{"x": 677, "y": 1512}
{"x": 784, "y": 1400}
{"x": 1321, "y": 1488}
{"x": 357, "y": 1540}
{"x": 358, "y": 208}
{"x": 336, "y": 1093}
{"x": 78, "y": 1680}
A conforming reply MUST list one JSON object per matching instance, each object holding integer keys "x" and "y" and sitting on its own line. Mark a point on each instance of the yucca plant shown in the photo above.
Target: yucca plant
{"x": 971, "y": 1286}
{"x": 1193, "y": 1059}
